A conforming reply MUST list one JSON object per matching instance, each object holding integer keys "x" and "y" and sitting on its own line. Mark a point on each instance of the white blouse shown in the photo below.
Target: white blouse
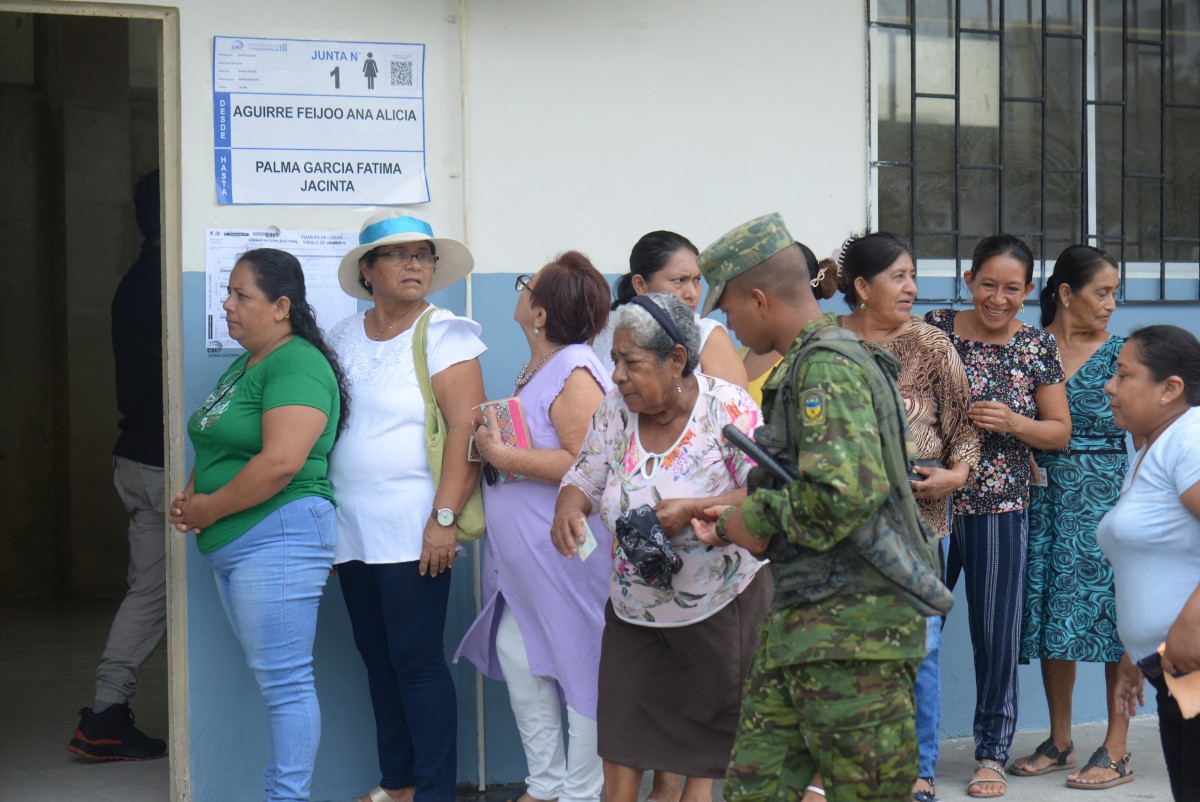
{"x": 378, "y": 467}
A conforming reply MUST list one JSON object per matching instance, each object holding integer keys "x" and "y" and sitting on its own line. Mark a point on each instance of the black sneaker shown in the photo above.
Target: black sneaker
{"x": 111, "y": 736}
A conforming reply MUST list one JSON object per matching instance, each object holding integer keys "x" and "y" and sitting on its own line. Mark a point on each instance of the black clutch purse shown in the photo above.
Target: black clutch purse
{"x": 646, "y": 547}
{"x": 913, "y": 476}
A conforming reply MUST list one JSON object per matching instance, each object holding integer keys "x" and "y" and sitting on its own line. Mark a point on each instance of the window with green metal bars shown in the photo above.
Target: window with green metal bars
{"x": 1059, "y": 121}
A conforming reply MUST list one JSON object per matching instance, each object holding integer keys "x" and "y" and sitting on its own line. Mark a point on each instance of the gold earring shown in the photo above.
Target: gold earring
{"x": 1066, "y": 304}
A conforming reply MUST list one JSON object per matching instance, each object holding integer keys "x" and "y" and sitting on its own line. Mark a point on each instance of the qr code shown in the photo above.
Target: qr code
{"x": 402, "y": 72}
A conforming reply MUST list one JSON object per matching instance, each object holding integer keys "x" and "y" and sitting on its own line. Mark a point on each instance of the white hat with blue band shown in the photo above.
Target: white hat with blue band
{"x": 388, "y": 227}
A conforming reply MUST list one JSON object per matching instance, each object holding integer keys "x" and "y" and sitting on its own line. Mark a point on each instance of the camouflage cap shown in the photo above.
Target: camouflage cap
{"x": 741, "y": 249}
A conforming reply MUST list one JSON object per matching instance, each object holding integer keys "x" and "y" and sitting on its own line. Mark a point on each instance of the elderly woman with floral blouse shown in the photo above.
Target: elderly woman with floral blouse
{"x": 680, "y": 627}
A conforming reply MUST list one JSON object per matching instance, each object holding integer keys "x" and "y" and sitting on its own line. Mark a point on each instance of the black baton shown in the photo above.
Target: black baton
{"x": 755, "y": 452}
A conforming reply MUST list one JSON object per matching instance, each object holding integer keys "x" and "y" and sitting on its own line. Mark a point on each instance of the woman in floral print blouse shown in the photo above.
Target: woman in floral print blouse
{"x": 674, "y": 655}
{"x": 1018, "y": 401}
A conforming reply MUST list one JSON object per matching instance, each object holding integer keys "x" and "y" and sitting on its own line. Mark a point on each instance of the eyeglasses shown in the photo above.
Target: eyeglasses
{"x": 404, "y": 258}
{"x": 522, "y": 282}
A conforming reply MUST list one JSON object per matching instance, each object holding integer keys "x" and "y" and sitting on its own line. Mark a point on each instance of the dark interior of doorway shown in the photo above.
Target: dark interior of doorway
{"x": 79, "y": 99}
{"x": 79, "y": 105}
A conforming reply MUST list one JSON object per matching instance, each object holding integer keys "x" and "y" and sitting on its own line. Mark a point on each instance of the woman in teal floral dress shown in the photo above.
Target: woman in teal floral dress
{"x": 1070, "y": 613}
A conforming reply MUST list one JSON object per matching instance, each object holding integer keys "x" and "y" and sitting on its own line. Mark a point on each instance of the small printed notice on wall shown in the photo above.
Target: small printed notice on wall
{"x": 319, "y": 252}
{"x": 298, "y": 121}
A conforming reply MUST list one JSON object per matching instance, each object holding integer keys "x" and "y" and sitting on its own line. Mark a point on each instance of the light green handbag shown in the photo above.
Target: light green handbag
{"x": 470, "y": 520}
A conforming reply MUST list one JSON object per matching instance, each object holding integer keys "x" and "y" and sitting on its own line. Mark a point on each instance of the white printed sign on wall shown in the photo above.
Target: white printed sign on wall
{"x": 299, "y": 121}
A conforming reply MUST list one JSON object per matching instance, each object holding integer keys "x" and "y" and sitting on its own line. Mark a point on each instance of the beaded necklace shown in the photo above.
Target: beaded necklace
{"x": 526, "y": 375}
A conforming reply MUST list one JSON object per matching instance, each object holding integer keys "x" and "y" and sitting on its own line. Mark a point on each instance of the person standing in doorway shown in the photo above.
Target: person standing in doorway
{"x": 106, "y": 730}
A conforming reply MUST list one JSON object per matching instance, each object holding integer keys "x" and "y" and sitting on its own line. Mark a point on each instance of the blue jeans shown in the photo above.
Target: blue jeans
{"x": 398, "y": 618}
{"x": 927, "y": 688}
{"x": 270, "y": 582}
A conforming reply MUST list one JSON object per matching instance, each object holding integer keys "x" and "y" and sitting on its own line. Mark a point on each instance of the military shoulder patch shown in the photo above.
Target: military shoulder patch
{"x": 814, "y": 408}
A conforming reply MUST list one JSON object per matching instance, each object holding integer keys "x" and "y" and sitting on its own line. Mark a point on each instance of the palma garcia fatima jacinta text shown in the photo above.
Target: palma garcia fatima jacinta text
{"x": 328, "y": 168}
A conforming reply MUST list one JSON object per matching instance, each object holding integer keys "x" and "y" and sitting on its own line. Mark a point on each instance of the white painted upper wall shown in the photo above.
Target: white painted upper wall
{"x": 588, "y": 123}
{"x": 591, "y": 123}
{"x": 433, "y": 23}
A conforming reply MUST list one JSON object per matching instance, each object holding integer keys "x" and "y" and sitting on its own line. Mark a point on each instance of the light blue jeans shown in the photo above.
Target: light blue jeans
{"x": 927, "y": 688}
{"x": 270, "y": 582}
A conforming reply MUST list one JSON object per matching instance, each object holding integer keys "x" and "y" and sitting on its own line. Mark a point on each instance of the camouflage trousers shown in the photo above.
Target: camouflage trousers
{"x": 851, "y": 721}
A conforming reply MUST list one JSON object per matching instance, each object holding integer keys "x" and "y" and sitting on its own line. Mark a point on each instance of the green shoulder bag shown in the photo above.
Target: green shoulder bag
{"x": 470, "y": 520}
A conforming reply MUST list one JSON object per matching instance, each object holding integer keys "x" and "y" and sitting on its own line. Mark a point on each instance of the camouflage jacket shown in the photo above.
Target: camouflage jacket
{"x": 834, "y": 599}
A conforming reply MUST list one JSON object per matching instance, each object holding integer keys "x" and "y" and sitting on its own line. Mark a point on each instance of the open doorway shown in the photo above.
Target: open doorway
{"x": 82, "y": 96}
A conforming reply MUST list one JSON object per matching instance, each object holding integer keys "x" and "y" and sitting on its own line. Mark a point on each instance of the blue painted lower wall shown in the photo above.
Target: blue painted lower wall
{"x": 227, "y": 718}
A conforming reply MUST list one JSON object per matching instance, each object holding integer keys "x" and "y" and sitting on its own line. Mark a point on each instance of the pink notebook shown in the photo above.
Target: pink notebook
{"x": 514, "y": 431}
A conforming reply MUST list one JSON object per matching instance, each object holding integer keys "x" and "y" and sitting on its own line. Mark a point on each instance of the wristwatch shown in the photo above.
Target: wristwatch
{"x": 445, "y": 516}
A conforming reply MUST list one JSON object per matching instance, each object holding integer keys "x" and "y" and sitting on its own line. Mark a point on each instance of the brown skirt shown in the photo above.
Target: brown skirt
{"x": 670, "y": 696}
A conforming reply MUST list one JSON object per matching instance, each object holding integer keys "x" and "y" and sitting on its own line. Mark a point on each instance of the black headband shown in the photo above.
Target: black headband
{"x": 662, "y": 318}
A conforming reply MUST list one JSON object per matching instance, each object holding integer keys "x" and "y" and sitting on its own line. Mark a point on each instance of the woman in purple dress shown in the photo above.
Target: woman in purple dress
{"x": 543, "y": 615}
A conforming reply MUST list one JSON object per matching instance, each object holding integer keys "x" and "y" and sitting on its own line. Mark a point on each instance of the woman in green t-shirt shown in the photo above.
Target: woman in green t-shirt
{"x": 259, "y": 499}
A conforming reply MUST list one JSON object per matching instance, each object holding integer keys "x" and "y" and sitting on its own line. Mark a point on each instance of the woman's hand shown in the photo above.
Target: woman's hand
{"x": 1129, "y": 692}
{"x": 1049, "y": 431}
{"x": 674, "y": 514}
{"x": 1182, "y": 650}
{"x": 567, "y": 531}
{"x": 437, "y": 548}
{"x": 939, "y": 482}
{"x": 488, "y": 442}
{"x": 191, "y": 511}
{"x": 995, "y": 416}
{"x": 705, "y": 525}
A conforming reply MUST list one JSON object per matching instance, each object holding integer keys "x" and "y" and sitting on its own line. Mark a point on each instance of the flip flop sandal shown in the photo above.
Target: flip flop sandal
{"x": 816, "y": 789}
{"x": 1102, "y": 760}
{"x": 926, "y": 796}
{"x": 1062, "y": 760}
{"x": 990, "y": 766}
{"x": 377, "y": 794}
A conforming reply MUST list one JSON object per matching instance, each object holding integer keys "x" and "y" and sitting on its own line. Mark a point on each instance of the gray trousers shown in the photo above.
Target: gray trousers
{"x": 142, "y": 617}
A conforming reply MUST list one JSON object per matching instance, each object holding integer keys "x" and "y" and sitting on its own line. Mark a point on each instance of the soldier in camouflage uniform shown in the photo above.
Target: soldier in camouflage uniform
{"x": 830, "y": 690}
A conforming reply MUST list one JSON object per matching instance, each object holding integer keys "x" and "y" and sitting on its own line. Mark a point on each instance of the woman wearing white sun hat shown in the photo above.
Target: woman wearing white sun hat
{"x": 397, "y": 528}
